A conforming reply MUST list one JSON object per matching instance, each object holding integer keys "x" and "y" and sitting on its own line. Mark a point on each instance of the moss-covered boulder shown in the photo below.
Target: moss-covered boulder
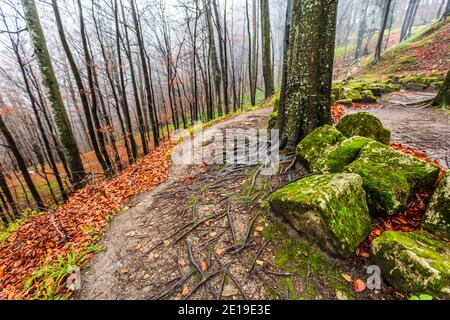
{"x": 344, "y": 153}
{"x": 315, "y": 146}
{"x": 329, "y": 210}
{"x": 414, "y": 262}
{"x": 391, "y": 177}
{"x": 352, "y": 94}
{"x": 345, "y": 102}
{"x": 364, "y": 124}
{"x": 368, "y": 96}
{"x": 437, "y": 216}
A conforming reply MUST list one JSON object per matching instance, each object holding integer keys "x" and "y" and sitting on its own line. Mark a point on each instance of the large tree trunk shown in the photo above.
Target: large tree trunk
{"x": 53, "y": 91}
{"x": 384, "y": 20}
{"x": 266, "y": 49}
{"x": 310, "y": 67}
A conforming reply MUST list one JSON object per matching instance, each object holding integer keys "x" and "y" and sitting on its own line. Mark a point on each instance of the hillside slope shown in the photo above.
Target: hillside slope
{"x": 427, "y": 52}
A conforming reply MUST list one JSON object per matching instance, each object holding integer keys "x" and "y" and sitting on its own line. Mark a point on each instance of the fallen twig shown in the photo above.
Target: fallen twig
{"x": 260, "y": 250}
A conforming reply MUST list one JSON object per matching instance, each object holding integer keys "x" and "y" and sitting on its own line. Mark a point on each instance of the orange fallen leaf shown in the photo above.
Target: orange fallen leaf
{"x": 204, "y": 265}
{"x": 124, "y": 271}
{"x": 359, "y": 285}
{"x": 185, "y": 291}
{"x": 220, "y": 251}
{"x": 138, "y": 246}
{"x": 182, "y": 262}
{"x": 259, "y": 228}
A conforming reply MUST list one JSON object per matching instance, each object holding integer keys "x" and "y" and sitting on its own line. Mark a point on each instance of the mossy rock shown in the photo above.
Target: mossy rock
{"x": 364, "y": 124}
{"x": 368, "y": 97}
{"x": 437, "y": 85}
{"x": 315, "y": 146}
{"x": 414, "y": 262}
{"x": 379, "y": 89}
{"x": 391, "y": 177}
{"x": 344, "y": 153}
{"x": 416, "y": 86}
{"x": 345, "y": 102}
{"x": 272, "y": 122}
{"x": 329, "y": 210}
{"x": 352, "y": 94}
{"x": 437, "y": 216}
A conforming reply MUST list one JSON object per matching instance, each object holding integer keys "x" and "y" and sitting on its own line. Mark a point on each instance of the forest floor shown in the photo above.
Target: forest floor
{"x": 206, "y": 233}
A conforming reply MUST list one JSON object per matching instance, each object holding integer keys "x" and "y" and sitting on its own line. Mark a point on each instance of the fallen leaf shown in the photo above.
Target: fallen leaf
{"x": 204, "y": 265}
{"x": 124, "y": 271}
{"x": 137, "y": 246}
{"x": 341, "y": 295}
{"x": 220, "y": 251}
{"x": 182, "y": 262}
{"x": 359, "y": 285}
{"x": 259, "y": 228}
{"x": 260, "y": 262}
{"x": 185, "y": 291}
{"x": 347, "y": 277}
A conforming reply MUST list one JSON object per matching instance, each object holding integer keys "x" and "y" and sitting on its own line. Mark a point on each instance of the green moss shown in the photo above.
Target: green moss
{"x": 330, "y": 210}
{"x": 352, "y": 94}
{"x": 272, "y": 122}
{"x": 314, "y": 147}
{"x": 391, "y": 177}
{"x": 414, "y": 262}
{"x": 364, "y": 124}
{"x": 305, "y": 261}
{"x": 369, "y": 97}
{"x": 437, "y": 216}
{"x": 344, "y": 153}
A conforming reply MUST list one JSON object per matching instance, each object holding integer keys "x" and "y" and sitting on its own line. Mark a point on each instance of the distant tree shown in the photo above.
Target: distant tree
{"x": 266, "y": 49}
{"x": 66, "y": 135}
{"x": 6, "y": 194}
{"x": 384, "y": 20}
{"x": 361, "y": 28}
{"x": 12, "y": 145}
{"x": 408, "y": 21}
{"x": 310, "y": 67}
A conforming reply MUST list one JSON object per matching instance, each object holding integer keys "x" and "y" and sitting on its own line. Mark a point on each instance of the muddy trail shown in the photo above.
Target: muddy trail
{"x": 418, "y": 127}
{"x": 206, "y": 232}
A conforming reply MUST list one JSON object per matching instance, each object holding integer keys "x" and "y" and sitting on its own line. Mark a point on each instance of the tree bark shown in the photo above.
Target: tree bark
{"x": 54, "y": 94}
{"x": 310, "y": 66}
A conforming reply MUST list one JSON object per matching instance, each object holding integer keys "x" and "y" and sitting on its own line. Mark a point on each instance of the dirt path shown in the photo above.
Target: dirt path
{"x": 426, "y": 129}
{"x": 141, "y": 259}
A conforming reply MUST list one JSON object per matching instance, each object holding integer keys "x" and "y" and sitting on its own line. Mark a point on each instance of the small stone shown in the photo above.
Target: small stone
{"x": 229, "y": 291}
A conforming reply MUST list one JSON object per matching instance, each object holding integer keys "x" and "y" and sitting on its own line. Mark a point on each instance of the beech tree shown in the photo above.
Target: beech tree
{"x": 66, "y": 135}
{"x": 310, "y": 66}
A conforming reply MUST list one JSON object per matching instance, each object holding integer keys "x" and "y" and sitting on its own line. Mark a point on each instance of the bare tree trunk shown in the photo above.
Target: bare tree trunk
{"x": 266, "y": 49}
{"x": 384, "y": 19}
{"x": 54, "y": 94}
{"x": 145, "y": 72}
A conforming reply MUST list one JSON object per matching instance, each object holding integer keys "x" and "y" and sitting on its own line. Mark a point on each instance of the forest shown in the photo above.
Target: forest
{"x": 225, "y": 149}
